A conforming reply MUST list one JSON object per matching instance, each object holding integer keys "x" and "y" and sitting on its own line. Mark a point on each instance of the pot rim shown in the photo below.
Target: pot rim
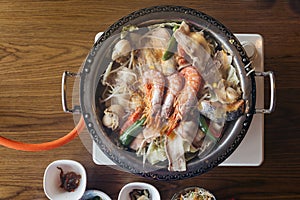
{"x": 89, "y": 110}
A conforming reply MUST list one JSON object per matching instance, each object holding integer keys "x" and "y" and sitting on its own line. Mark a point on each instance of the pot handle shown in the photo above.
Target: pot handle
{"x": 272, "y": 94}
{"x": 55, "y": 143}
{"x": 65, "y": 75}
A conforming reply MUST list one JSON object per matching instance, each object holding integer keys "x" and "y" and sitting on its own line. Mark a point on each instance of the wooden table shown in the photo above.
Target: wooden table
{"x": 41, "y": 39}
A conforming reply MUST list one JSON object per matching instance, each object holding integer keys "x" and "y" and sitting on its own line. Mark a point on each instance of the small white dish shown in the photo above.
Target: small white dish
{"x": 124, "y": 193}
{"x": 94, "y": 193}
{"x": 198, "y": 190}
{"x": 51, "y": 182}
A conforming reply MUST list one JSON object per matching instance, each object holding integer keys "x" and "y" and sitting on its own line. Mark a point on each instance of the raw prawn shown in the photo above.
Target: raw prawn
{"x": 154, "y": 82}
{"x": 187, "y": 98}
{"x": 175, "y": 84}
{"x": 181, "y": 57}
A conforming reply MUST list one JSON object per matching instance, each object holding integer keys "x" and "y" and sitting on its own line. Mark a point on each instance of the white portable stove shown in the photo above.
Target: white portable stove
{"x": 251, "y": 150}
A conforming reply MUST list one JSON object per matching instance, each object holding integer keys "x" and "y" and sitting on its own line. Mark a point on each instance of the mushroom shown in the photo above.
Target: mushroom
{"x": 121, "y": 50}
{"x": 113, "y": 116}
{"x": 227, "y": 94}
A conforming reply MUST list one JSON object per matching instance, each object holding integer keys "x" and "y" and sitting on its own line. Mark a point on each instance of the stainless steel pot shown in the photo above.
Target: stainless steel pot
{"x": 95, "y": 65}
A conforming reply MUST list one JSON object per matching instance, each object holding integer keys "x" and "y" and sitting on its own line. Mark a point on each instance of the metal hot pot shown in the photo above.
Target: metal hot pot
{"x": 97, "y": 61}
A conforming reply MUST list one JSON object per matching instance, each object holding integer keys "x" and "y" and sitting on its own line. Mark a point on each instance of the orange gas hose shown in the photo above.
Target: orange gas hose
{"x": 43, "y": 146}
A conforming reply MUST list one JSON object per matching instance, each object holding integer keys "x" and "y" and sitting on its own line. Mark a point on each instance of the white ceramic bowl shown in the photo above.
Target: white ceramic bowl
{"x": 188, "y": 189}
{"x": 52, "y": 182}
{"x": 93, "y": 193}
{"x": 124, "y": 193}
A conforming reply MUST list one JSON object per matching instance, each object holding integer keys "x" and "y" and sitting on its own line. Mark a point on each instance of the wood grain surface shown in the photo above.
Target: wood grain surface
{"x": 41, "y": 39}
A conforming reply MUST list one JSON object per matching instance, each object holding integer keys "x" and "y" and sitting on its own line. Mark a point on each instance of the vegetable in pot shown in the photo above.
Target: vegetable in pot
{"x": 171, "y": 46}
{"x": 204, "y": 128}
{"x": 129, "y": 134}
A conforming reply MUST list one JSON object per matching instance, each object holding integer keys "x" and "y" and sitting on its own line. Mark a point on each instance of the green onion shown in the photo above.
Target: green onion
{"x": 130, "y": 133}
{"x": 172, "y": 45}
{"x": 204, "y": 128}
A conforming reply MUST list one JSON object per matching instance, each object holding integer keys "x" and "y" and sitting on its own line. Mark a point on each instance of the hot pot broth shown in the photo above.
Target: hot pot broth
{"x": 168, "y": 93}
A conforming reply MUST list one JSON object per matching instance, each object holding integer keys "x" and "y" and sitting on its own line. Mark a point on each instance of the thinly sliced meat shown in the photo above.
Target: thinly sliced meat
{"x": 137, "y": 142}
{"x": 187, "y": 130}
{"x": 197, "y": 55}
{"x": 175, "y": 153}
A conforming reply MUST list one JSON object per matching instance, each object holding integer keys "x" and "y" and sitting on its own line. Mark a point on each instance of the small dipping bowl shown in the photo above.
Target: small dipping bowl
{"x": 209, "y": 195}
{"x": 89, "y": 194}
{"x": 51, "y": 182}
{"x": 124, "y": 193}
